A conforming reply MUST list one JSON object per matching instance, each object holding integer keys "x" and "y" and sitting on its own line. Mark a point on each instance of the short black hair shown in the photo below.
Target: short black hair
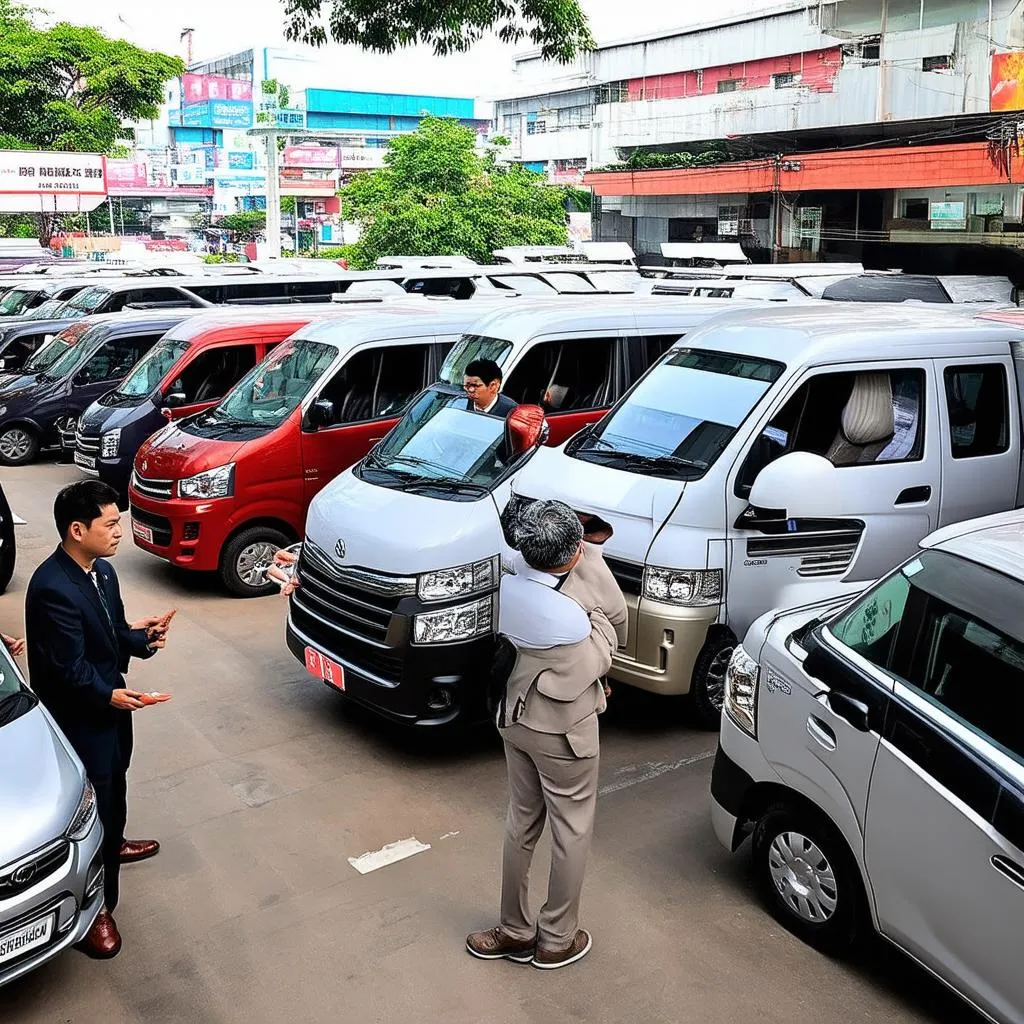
{"x": 486, "y": 369}
{"x": 81, "y": 502}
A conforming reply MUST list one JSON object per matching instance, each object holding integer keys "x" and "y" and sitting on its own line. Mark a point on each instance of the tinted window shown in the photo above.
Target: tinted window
{"x": 213, "y": 373}
{"x": 116, "y": 358}
{"x": 895, "y": 288}
{"x": 979, "y": 415}
{"x": 526, "y": 284}
{"x": 136, "y": 295}
{"x": 377, "y": 383}
{"x": 870, "y": 627}
{"x": 145, "y": 378}
{"x": 565, "y": 376}
{"x": 471, "y": 347}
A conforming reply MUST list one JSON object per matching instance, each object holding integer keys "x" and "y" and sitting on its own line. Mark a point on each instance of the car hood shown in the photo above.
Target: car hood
{"x": 98, "y": 419}
{"x": 400, "y": 532}
{"x": 40, "y": 785}
{"x": 635, "y": 505}
{"x": 18, "y": 384}
{"x": 172, "y": 454}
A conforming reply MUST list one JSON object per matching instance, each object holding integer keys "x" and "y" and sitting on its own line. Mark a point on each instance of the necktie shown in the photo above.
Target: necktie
{"x": 102, "y": 596}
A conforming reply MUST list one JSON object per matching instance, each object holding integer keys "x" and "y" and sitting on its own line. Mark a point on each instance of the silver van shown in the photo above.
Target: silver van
{"x": 51, "y": 870}
{"x": 875, "y": 752}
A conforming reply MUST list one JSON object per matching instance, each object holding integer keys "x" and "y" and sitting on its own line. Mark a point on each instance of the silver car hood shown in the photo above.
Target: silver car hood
{"x": 40, "y": 785}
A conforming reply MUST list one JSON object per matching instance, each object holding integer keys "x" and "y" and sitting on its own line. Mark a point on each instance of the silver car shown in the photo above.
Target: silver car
{"x": 51, "y": 869}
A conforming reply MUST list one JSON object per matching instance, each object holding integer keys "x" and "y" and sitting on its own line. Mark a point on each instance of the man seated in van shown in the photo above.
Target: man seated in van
{"x": 482, "y": 382}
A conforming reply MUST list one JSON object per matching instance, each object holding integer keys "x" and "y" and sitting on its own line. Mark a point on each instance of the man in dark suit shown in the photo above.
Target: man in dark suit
{"x": 482, "y": 381}
{"x": 79, "y": 647}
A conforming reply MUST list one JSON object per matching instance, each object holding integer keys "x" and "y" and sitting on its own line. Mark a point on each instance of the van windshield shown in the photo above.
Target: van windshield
{"x": 48, "y": 354}
{"x": 88, "y": 300}
{"x": 16, "y": 301}
{"x": 152, "y": 368}
{"x": 15, "y": 699}
{"x": 47, "y": 311}
{"x": 440, "y": 444}
{"x": 268, "y": 394}
{"x": 75, "y": 345}
{"x": 469, "y": 348}
{"x": 678, "y": 419}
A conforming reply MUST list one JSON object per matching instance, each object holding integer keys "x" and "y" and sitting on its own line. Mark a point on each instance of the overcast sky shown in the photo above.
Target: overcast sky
{"x": 220, "y": 29}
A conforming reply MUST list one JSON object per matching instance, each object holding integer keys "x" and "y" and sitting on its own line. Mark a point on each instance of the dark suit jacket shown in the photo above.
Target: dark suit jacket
{"x": 502, "y": 407}
{"x": 76, "y": 656}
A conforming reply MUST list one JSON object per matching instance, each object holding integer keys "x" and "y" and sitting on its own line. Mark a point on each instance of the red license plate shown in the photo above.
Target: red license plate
{"x": 323, "y": 668}
{"x": 142, "y": 532}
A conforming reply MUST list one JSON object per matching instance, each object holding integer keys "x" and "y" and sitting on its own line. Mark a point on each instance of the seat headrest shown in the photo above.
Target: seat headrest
{"x": 868, "y": 417}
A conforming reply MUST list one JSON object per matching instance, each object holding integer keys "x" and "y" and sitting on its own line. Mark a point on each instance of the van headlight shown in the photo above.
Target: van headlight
{"x": 111, "y": 443}
{"x": 452, "y": 625}
{"x": 741, "y": 679}
{"x": 692, "y": 588}
{"x": 214, "y": 483}
{"x": 81, "y": 823}
{"x": 463, "y": 579}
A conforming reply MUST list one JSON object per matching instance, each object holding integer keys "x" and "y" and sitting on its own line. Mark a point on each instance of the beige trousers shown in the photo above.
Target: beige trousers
{"x": 546, "y": 780}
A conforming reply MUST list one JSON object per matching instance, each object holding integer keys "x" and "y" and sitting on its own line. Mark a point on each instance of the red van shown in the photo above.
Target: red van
{"x": 222, "y": 491}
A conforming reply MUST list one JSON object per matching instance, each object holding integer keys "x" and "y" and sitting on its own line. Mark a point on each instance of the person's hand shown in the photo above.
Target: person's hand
{"x": 283, "y": 572}
{"x": 126, "y": 700}
{"x": 16, "y": 645}
{"x": 607, "y": 689}
{"x": 155, "y": 626}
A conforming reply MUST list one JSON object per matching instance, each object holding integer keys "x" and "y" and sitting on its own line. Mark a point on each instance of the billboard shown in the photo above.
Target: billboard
{"x": 1007, "y": 78}
{"x": 237, "y": 159}
{"x": 311, "y": 156}
{"x": 217, "y": 114}
{"x": 355, "y": 158}
{"x": 37, "y": 181}
{"x": 126, "y": 174}
{"x": 202, "y": 88}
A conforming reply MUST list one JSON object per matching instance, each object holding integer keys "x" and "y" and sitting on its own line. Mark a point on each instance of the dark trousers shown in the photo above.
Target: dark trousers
{"x": 109, "y": 778}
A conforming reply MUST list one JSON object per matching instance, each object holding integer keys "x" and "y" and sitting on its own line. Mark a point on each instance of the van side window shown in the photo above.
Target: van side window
{"x": 153, "y": 295}
{"x": 851, "y": 419}
{"x": 377, "y": 382}
{"x": 214, "y": 372}
{"x": 113, "y": 361}
{"x": 978, "y": 404}
{"x": 870, "y": 627}
{"x": 646, "y": 350}
{"x": 565, "y": 376}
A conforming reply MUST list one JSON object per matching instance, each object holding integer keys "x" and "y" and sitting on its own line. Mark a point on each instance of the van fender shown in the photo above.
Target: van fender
{"x": 290, "y": 514}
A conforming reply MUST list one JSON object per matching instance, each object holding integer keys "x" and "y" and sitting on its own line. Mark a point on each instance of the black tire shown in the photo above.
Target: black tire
{"x": 808, "y": 877}
{"x": 707, "y": 684}
{"x": 254, "y": 541}
{"x": 19, "y": 445}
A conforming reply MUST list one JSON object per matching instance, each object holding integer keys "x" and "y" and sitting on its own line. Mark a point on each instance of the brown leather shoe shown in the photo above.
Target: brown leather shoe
{"x": 551, "y": 960}
{"x": 494, "y": 944}
{"x": 133, "y": 850}
{"x": 104, "y": 940}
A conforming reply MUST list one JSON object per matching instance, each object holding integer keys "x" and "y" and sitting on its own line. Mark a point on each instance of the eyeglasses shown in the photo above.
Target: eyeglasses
{"x": 473, "y": 387}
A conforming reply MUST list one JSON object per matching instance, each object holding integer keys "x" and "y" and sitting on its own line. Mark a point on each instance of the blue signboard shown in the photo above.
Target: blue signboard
{"x": 278, "y": 117}
{"x": 217, "y": 114}
{"x": 241, "y": 160}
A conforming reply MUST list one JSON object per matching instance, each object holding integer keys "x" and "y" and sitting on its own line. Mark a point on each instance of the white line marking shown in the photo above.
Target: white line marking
{"x": 651, "y": 770}
{"x": 390, "y": 854}
{"x": 450, "y": 835}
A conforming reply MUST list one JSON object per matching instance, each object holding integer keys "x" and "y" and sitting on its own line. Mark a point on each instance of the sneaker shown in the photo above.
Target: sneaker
{"x": 496, "y": 945}
{"x": 551, "y": 960}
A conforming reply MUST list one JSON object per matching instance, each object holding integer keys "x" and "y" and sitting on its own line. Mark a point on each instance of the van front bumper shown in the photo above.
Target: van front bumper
{"x": 188, "y": 534}
{"x": 730, "y": 789}
{"x": 664, "y": 641}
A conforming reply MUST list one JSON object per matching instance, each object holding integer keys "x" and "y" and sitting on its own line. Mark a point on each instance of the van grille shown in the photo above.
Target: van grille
{"x": 628, "y": 575}
{"x": 87, "y": 444}
{"x": 19, "y": 876}
{"x": 159, "y": 490}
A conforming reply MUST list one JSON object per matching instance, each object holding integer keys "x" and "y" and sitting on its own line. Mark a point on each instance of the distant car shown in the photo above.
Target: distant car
{"x": 51, "y": 866}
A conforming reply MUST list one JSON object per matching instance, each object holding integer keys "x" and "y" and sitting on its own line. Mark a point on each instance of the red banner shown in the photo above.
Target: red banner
{"x": 201, "y": 88}
{"x": 312, "y": 156}
{"x": 126, "y": 174}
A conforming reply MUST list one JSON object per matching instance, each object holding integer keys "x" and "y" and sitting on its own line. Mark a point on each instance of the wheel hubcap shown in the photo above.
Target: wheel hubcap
{"x": 803, "y": 877}
{"x": 715, "y": 685}
{"x": 15, "y": 444}
{"x": 254, "y": 561}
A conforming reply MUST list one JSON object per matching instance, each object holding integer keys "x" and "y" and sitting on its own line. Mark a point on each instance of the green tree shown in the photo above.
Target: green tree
{"x": 246, "y": 226}
{"x": 558, "y": 27}
{"x": 436, "y": 195}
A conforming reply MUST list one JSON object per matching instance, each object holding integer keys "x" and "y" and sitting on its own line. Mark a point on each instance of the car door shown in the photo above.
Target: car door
{"x": 980, "y": 435}
{"x": 895, "y": 484}
{"x": 368, "y": 392}
{"x": 106, "y": 368}
{"x": 575, "y": 379}
{"x": 210, "y": 374}
{"x": 944, "y": 842}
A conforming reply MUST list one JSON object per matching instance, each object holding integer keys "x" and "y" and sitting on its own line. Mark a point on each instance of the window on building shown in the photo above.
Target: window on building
{"x": 866, "y": 52}
{"x": 942, "y": 63}
{"x": 728, "y": 85}
{"x": 913, "y": 209}
{"x": 613, "y": 92}
{"x": 785, "y": 80}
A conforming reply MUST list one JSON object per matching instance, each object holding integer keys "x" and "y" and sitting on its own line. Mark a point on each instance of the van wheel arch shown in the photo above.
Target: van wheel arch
{"x": 707, "y": 681}
{"x": 244, "y": 538}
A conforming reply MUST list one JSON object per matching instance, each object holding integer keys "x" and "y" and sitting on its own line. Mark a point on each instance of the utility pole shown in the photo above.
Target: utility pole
{"x": 273, "y": 230}
{"x": 186, "y": 35}
{"x": 777, "y": 208}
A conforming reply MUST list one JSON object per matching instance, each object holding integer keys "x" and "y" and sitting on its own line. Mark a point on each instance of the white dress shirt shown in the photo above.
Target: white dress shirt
{"x": 534, "y": 615}
{"x": 494, "y": 402}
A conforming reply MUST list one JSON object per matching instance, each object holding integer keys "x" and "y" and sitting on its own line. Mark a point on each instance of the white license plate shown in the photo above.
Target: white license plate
{"x": 27, "y": 938}
{"x": 85, "y": 461}
{"x": 142, "y": 532}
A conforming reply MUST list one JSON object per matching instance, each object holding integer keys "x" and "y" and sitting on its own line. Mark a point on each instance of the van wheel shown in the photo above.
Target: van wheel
{"x": 707, "y": 686}
{"x": 19, "y": 445}
{"x": 245, "y": 559}
{"x": 808, "y": 877}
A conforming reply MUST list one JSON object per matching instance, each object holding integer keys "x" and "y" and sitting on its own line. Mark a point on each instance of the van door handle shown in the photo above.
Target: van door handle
{"x": 821, "y": 733}
{"x": 1013, "y": 871}
{"x": 914, "y": 495}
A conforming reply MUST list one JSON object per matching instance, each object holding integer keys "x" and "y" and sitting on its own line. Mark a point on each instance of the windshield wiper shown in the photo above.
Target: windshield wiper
{"x": 645, "y": 462}
{"x": 13, "y": 705}
{"x": 442, "y": 483}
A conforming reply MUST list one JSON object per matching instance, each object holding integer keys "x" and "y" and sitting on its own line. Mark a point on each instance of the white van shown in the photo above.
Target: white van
{"x": 400, "y": 566}
{"x": 780, "y": 454}
{"x": 875, "y": 752}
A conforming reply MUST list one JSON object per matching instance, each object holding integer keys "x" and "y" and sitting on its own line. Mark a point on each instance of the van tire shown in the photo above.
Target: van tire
{"x": 785, "y": 834}
{"x": 238, "y": 554}
{"x": 19, "y": 445}
{"x": 707, "y": 684}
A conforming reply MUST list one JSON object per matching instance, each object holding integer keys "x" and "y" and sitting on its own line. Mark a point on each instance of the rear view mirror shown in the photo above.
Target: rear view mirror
{"x": 525, "y": 428}
{"x": 175, "y": 399}
{"x": 321, "y": 413}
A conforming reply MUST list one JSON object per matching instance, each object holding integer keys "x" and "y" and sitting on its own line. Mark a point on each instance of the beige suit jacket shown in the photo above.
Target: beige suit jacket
{"x": 559, "y": 690}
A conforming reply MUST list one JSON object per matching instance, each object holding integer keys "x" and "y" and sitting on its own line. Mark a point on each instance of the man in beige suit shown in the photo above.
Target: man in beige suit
{"x": 565, "y": 614}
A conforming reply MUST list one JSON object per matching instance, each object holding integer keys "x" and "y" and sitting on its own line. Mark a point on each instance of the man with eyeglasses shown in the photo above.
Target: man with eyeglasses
{"x": 482, "y": 382}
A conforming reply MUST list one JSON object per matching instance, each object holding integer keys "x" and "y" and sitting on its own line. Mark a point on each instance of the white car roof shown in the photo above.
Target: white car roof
{"x": 996, "y": 541}
{"x": 721, "y": 252}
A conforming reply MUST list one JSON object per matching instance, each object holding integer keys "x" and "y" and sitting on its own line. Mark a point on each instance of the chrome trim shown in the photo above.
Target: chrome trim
{"x": 158, "y": 490}
{"x": 35, "y": 855}
{"x": 364, "y": 579}
{"x": 334, "y": 627}
{"x": 358, "y": 669}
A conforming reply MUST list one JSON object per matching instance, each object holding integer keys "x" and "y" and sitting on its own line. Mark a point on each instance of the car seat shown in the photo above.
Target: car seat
{"x": 868, "y": 422}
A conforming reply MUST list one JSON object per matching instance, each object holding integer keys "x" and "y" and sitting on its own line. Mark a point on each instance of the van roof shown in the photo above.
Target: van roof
{"x": 839, "y": 332}
{"x": 995, "y": 541}
{"x": 350, "y": 325}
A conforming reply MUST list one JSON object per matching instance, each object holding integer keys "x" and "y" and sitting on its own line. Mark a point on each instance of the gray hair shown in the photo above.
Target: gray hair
{"x": 548, "y": 533}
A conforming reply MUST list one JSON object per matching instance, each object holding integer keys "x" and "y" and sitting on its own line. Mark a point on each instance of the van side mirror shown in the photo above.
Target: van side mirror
{"x": 175, "y": 399}
{"x": 525, "y": 429}
{"x": 795, "y": 486}
{"x": 321, "y": 413}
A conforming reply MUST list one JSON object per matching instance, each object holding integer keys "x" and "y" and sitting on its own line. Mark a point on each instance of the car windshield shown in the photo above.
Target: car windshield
{"x": 47, "y": 311}
{"x": 442, "y": 444}
{"x": 15, "y": 699}
{"x": 469, "y": 348}
{"x": 88, "y": 300}
{"x": 267, "y": 395}
{"x": 74, "y": 350}
{"x": 46, "y": 355}
{"x": 16, "y": 301}
{"x": 152, "y": 368}
{"x": 678, "y": 419}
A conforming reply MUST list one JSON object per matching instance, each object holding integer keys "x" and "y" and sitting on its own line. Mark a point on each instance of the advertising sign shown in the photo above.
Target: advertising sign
{"x": 217, "y": 114}
{"x": 50, "y": 181}
{"x": 200, "y": 88}
{"x": 278, "y": 117}
{"x": 189, "y": 174}
{"x": 311, "y": 156}
{"x": 948, "y": 216}
{"x": 126, "y": 174}
{"x": 1007, "y": 78}
{"x": 307, "y": 182}
{"x": 238, "y": 159}
{"x": 362, "y": 157}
